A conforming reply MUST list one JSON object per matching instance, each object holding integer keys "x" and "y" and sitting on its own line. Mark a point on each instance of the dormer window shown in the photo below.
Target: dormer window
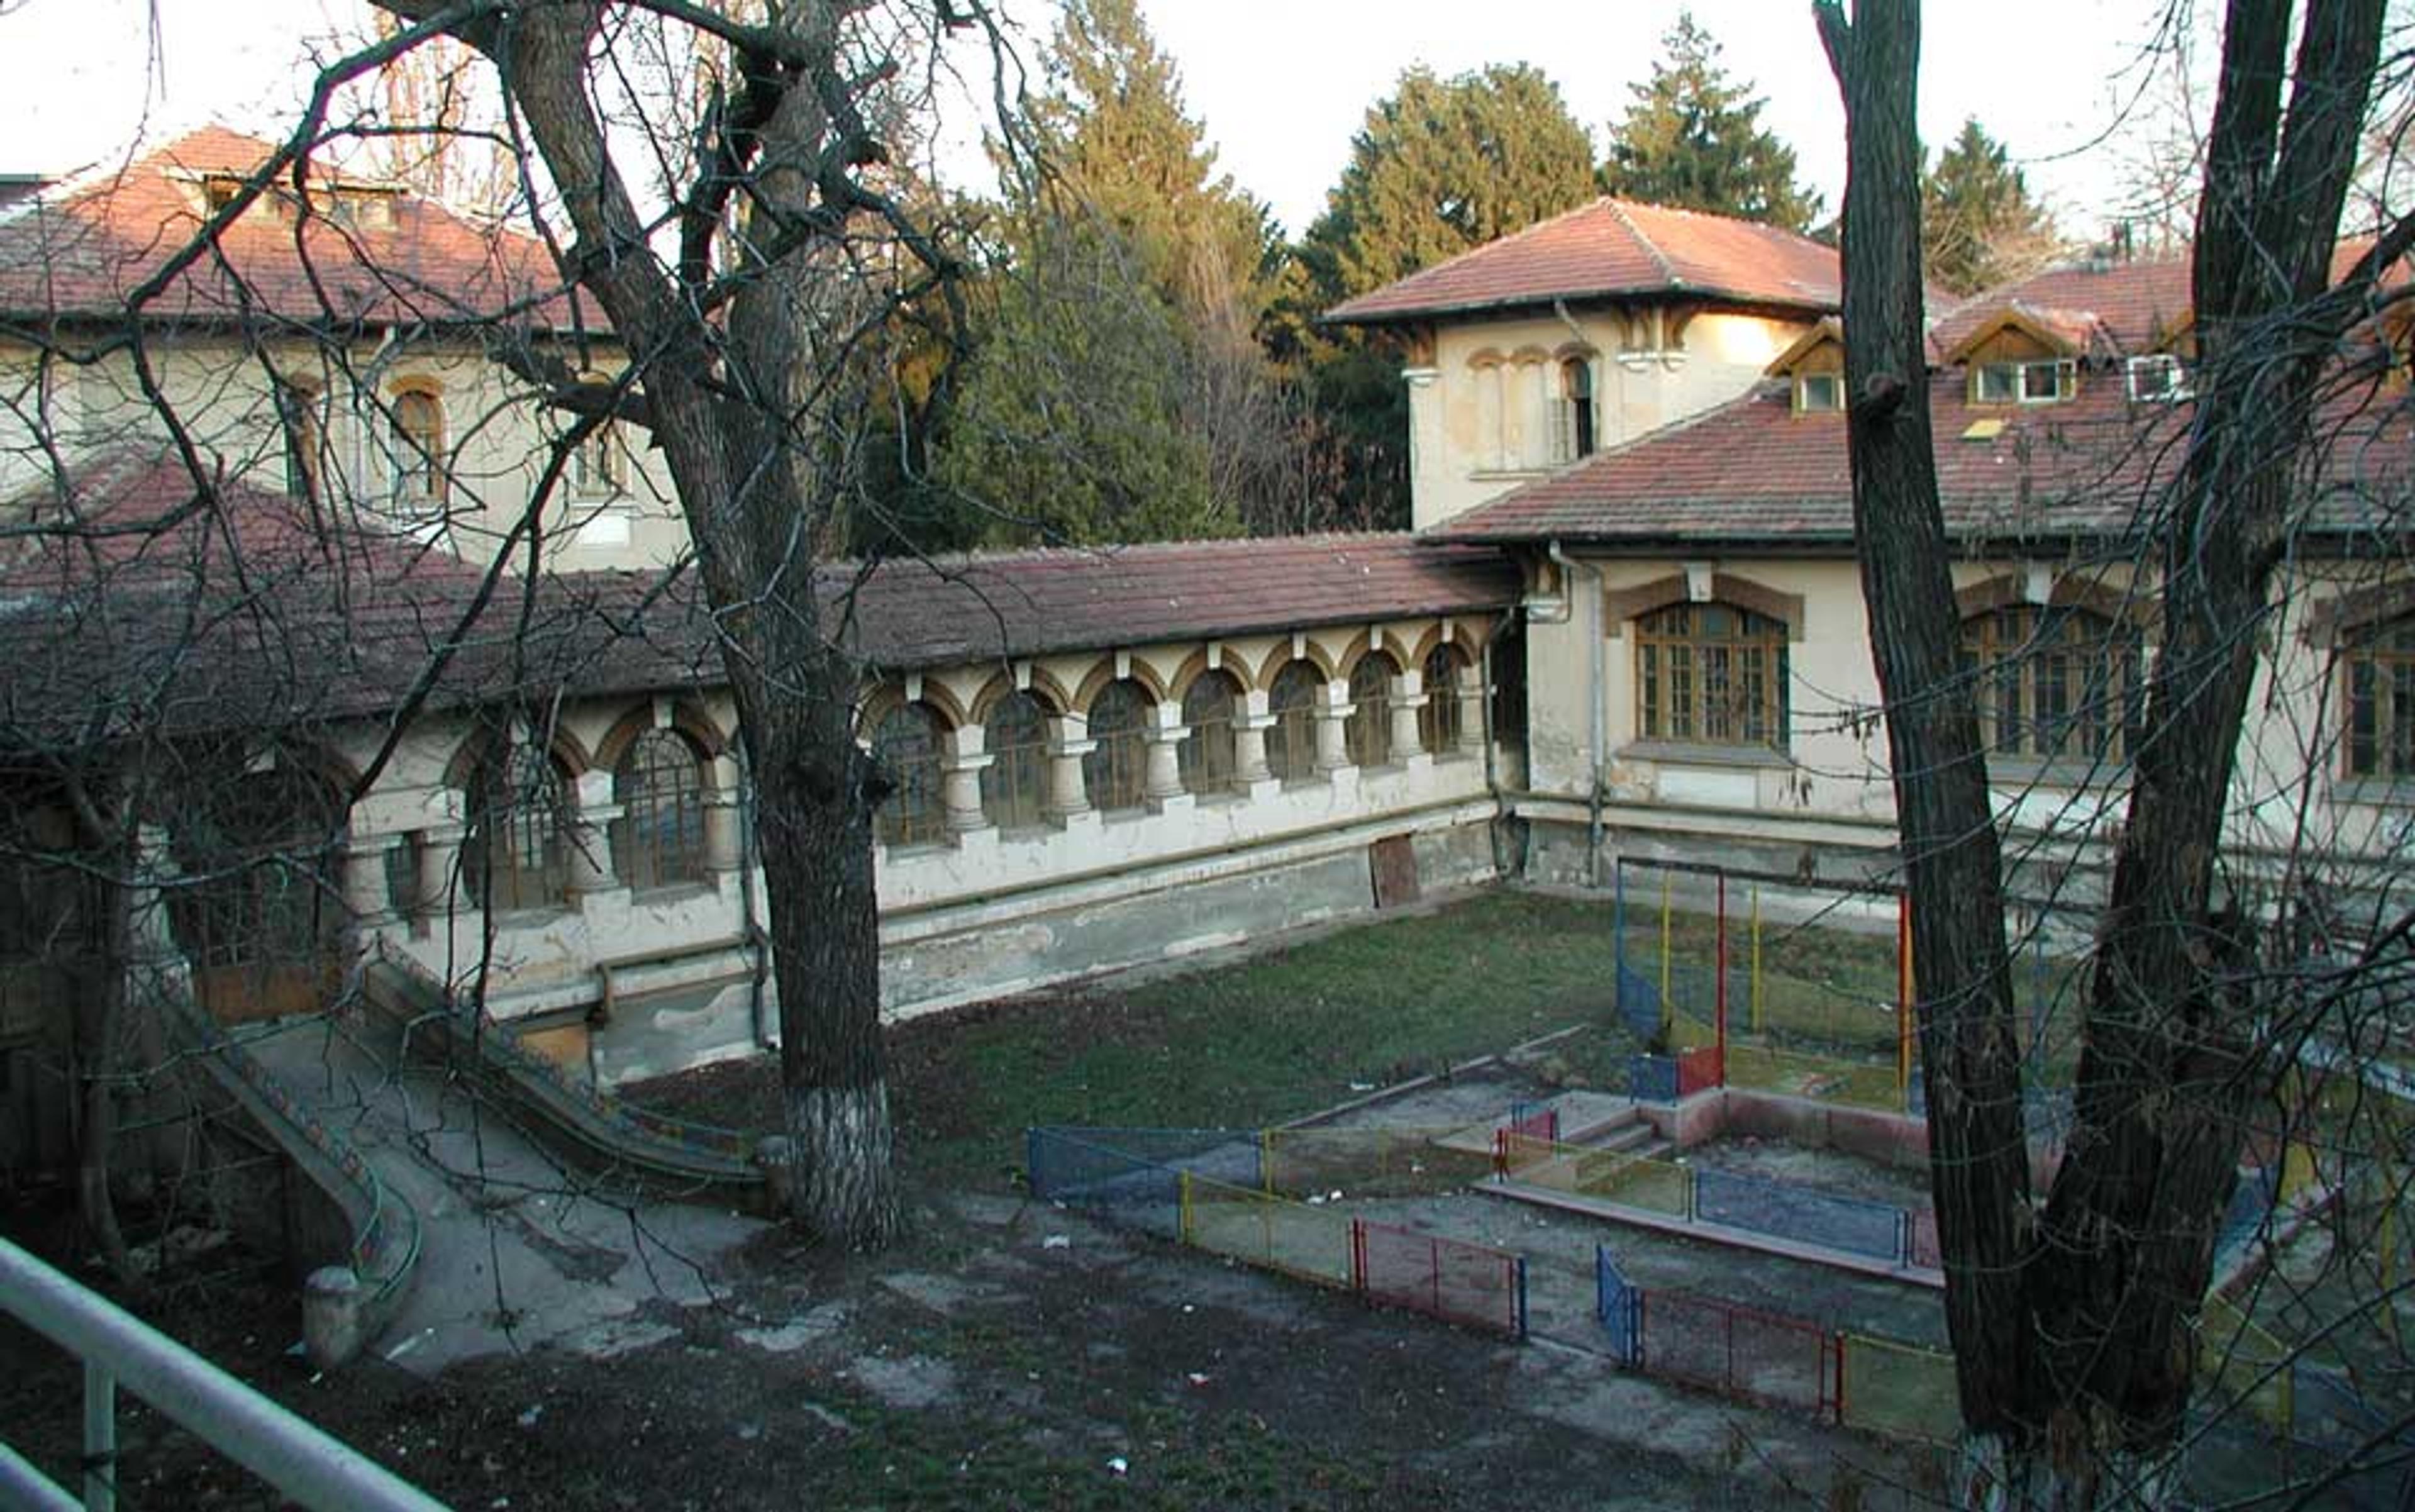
{"x": 1819, "y": 393}
{"x": 2050, "y": 380}
{"x": 2156, "y": 379}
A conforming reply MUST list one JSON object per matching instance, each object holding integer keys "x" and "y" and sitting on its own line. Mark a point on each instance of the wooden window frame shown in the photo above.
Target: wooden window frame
{"x": 1115, "y": 773}
{"x": 2378, "y": 695}
{"x": 1683, "y": 661}
{"x": 1367, "y": 732}
{"x": 531, "y": 869}
{"x": 2035, "y": 675}
{"x": 1291, "y": 739}
{"x": 660, "y": 785}
{"x": 419, "y": 460}
{"x": 1014, "y": 786}
{"x": 1206, "y": 756}
{"x": 1438, "y": 722}
{"x": 908, "y": 745}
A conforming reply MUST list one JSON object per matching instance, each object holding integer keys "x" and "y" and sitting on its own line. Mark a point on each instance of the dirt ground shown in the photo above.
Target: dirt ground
{"x": 1012, "y": 1355}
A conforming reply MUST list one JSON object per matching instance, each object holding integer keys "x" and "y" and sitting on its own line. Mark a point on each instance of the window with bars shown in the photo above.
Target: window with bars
{"x": 1438, "y": 722}
{"x": 1573, "y": 417}
{"x": 599, "y": 466}
{"x": 2379, "y": 666}
{"x": 906, "y": 743}
{"x": 297, "y": 410}
{"x": 658, "y": 841}
{"x": 1369, "y": 728}
{"x": 1291, "y": 739}
{"x": 260, "y": 852}
{"x": 1116, "y": 773}
{"x": 1206, "y": 754}
{"x": 1014, "y": 786}
{"x": 517, "y": 853}
{"x": 1711, "y": 674}
{"x": 2060, "y": 683}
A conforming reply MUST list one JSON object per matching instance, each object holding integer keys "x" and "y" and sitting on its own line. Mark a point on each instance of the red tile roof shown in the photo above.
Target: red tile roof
{"x": 1615, "y": 249}
{"x": 163, "y": 608}
{"x": 1753, "y": 475}
{"x": 82, "y": 251}
{"x": 2124, "y": 309}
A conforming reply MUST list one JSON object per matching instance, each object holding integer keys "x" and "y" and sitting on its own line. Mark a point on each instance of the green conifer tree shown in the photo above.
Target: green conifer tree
{"x": 1978, "y": 225}
{"x": 1693, "y": 138}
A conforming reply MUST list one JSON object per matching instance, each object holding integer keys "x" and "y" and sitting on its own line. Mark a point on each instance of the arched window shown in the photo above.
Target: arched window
{"x": 1369, "y": 729}
{"x": 2053, "y": 683}
{"x": 1573, "y": 432}
{"x": 1438, "y": 721}
{"x": 1116, "y": 771}
{"x": 264, "y": 911}
{"x": 1711, "y": 674}
{"x": 1291, "y": 739}
{"x": 1014, "y": 786}
{"x": 418, "y": 447}
{"x": 599, "y": 468}
{"x": 1206, "y": 754}
{"x": 2380, "y": 670}
{"x": 658, "y": 841}
{"x": 906, "y": 743}
{"x": 517, "y": 853}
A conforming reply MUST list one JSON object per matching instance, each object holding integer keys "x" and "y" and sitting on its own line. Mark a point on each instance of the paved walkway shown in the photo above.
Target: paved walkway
{"x": 516, "y": 1250}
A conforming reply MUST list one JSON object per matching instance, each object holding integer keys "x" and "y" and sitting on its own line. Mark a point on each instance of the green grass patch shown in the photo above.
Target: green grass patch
{"x": 1268, "y": 1039}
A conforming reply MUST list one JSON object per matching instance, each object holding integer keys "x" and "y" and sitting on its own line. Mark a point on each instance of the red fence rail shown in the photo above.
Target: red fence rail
{"x": 1467, "y": 1283}
{"x": 1741, "y": 1352}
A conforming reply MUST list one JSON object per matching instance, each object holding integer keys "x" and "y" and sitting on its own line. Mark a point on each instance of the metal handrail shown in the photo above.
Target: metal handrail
{"x": 300, "y": 1459}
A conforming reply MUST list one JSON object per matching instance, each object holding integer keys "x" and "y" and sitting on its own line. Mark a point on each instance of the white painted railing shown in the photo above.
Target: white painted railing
{"x": 119, "y": 1348}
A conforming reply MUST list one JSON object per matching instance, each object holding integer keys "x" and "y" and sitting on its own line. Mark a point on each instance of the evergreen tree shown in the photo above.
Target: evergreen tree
{"x": 1693, "y": 138}
{"x": 1978, "y": 225}
{"x": 1440, "y": 166}
{"x": 1072, "y": 425}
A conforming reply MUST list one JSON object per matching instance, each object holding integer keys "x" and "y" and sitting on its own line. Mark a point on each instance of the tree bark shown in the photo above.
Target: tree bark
{"x": 1963, "y": 977}
{"x": 2075, "y": 1332}
{"x": 751, "y": 409}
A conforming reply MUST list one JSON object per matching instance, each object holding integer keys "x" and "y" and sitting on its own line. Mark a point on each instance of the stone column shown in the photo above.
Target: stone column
{"x": 1251, "y": 722}
{"x": 1162, "y": 781}
{"x": 1408, "y": 696}
{"x": 1069, "y": 742}
{"x": 367, "y": 898}
{"x": 1468, "y": 688}
{"x": 153, "y": 955}
{"x": 588, "y": 834}
{"x": 439, "y": 853}
{"x": 962, "y": 760}
{"x": 1333, "y": 711}
{"x": 724, "y": 847}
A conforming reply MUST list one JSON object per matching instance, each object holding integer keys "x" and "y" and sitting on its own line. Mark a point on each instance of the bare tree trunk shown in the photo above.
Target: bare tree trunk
{"x": 749, "y": 405}
{"x": 1978, "y": 1159}
{"x": 2076, "y": 1342}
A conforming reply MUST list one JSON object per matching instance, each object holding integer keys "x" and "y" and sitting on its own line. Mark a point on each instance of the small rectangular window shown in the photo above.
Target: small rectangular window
{"x": 2156, "y": 379}
{"x": 1819, "y": 393}
{"x": 2046, "y": 381}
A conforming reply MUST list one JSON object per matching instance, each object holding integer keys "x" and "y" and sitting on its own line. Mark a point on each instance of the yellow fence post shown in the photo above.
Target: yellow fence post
{"x": 1667, "y": 1013}
{"x": 1187, "y": 1224}
{"x": 1266, "y": 1161}
{"x": 1756, "y": 959}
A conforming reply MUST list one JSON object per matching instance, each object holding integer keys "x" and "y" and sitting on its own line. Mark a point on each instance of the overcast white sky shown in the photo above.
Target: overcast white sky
{"x": 1282, "y": 85}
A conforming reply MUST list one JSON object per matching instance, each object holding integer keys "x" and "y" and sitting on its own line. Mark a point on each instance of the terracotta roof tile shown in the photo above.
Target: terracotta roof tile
{"x": 1615, "y": 249}
{"x": 1753, "y": 473}
{"x": 81, "y": 251}
{"x": 167, "y": 610}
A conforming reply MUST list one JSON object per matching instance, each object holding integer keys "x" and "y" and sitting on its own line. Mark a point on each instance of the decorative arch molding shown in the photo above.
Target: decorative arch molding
{"x": 461, "y": 772}
{"x": 1195, "y": 666}
{"x": 1104, "y": 672}
{"x": 1359, "y": 645}
{"x": 1486, "y": 357}
{"x": 1463, "y": 636}
{"x": 2356, "y": 610}
{"x": 1574, "y": 351}
{"x": 1529, "y": 355}
{"x": 1282, "y": 656}
{"x": 2006, "y": 591}
{"x": 687, "y": 720}
{"x": 1043, "y": 687}
{"x": 878, "y": 704}
{"x": 1622, "y": 605}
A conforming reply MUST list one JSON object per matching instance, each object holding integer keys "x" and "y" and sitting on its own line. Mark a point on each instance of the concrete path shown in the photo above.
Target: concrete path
{"x": 516, "y": 1250}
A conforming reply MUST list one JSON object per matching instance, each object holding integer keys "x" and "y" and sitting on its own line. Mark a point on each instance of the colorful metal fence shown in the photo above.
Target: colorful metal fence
{"x": 1739, "y": 1352}
{"x": 1179, "y": 1183}
{"x": 1469, "y": 1284}
{"x": 1380, "y": 1160}
{"x": 1899, "y": 1391}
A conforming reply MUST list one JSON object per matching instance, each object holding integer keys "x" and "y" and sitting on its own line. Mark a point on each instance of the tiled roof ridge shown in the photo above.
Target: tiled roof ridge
{"x": 1651, "y": 249}
{"x": 949, "y": 561}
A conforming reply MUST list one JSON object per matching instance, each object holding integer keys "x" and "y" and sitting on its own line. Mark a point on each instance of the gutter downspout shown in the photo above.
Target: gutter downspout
{"x": 1598, "y": 736}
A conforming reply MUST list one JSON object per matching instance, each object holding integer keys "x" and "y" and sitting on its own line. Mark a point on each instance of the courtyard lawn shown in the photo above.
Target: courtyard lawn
{"x": 1264, "y": 1040}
